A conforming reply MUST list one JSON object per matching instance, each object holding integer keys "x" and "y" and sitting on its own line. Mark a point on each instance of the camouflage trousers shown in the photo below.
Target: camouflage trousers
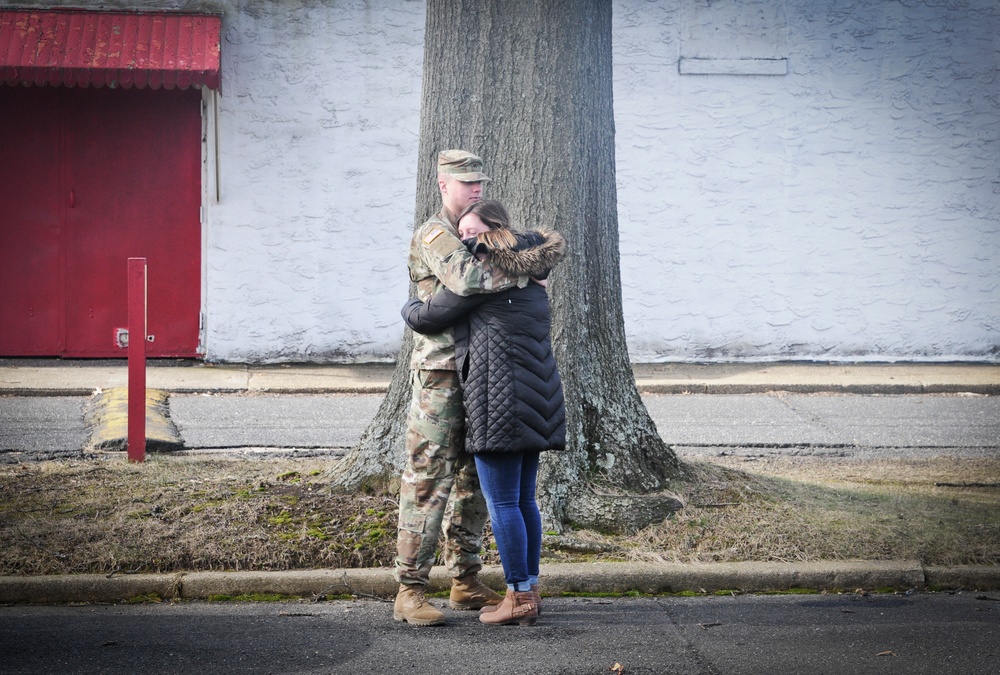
{"x": 439, "y": 484}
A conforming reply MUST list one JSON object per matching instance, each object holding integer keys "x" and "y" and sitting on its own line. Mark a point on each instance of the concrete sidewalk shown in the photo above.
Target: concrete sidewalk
{"x": 36, "y": 377}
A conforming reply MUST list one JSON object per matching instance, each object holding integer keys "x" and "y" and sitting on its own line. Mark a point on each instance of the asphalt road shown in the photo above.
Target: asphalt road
{"x": 939, "y": 634}
{"x": 695, "y": 424}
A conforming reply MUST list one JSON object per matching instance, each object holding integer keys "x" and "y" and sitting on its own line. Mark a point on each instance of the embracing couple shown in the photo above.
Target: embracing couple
{"x": 487, "y": 399}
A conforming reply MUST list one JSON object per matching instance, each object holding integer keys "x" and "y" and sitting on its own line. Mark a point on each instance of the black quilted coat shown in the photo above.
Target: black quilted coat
{"x": 512, "y": 390}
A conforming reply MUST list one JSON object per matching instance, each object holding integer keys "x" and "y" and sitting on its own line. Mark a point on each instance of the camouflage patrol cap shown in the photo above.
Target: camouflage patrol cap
{"x": 462, "y": 165}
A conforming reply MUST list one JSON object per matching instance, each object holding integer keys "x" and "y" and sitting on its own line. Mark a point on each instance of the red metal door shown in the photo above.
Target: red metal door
{"x": 126, "y": 182}
{"x": 30, "y": 233}
{"x": 133, "y": 190}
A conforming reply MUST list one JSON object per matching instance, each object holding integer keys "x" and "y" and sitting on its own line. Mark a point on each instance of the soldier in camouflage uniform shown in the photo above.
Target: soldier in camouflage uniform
{"x": 439, "y": 484}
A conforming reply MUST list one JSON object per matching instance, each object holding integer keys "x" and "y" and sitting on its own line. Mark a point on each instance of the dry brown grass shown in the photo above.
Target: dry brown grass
{"x": 185, "y": 513}
{"x": 794, "y": 509}
{"x": 171, "y": 514}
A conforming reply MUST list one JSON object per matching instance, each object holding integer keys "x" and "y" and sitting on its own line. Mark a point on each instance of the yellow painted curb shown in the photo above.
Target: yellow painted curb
{"x": 106, "y": 419}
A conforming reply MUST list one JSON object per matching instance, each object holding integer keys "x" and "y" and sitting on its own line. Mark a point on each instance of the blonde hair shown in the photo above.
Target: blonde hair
{"x": 495, "y": 239}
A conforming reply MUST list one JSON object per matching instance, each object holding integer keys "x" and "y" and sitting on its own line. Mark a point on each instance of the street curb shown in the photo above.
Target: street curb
{"x": 748, "y": 577}
{"x": 556, "y": 580}
{"x": 980, "y": 577}
{"x": 981, "y": 389}
{"x": 971, "y": 377}
{"x": 72, "y": 588}
{"x": 822, "y": 388}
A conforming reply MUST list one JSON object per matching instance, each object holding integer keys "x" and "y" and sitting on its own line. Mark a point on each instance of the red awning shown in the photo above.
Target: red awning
{"x": 109, "y": 49}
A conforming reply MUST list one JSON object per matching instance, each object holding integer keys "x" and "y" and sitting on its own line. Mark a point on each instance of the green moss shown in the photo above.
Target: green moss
{"x": 317, "y": 533}
{"x": 251, "y": 597}
{"x": 368, "y": 530}
{"x": 603, "y": 594}
{"x": 283, "y": 518}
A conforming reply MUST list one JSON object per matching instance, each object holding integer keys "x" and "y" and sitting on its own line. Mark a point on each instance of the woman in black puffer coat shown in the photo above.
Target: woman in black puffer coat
{"x": 512, "y": 391}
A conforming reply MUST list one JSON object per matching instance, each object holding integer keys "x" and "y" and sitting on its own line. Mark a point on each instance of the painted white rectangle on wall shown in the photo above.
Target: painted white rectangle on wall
{"x": 732, "y": 29}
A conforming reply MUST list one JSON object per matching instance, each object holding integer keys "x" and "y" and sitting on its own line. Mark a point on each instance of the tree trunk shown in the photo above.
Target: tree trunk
{"x": 527, "y": 85}
{"x": 378, "y": 458}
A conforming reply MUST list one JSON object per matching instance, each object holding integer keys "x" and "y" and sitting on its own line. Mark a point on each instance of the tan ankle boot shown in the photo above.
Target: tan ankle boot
{"x": 516, "y": 607}
{"x": 534, "y": 591}
{"x": 538, "y": 598}
{"x": 412, "y": 607}
{"x": 469, "y": 592}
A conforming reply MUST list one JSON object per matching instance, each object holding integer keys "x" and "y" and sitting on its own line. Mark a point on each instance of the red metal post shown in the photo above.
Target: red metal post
{"x": 136, "y": 359}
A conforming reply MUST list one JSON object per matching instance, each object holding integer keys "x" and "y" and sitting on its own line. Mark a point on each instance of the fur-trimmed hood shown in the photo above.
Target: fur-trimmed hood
{"x": 532, "y": 252}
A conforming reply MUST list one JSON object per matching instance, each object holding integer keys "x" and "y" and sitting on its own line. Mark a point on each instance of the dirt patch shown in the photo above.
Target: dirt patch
{"x": 195, "y": 514}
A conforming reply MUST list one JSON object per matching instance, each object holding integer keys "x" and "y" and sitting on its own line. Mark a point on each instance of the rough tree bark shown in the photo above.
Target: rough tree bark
{"x": 527, "y": 85}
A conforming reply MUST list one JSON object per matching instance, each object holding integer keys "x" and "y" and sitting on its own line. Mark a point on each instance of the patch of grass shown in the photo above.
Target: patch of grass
{"x": 251, "y": 597}
{"x": 193, "y": 514}
{"x": 196, "y": 515}
{"x": 795, "y": 510}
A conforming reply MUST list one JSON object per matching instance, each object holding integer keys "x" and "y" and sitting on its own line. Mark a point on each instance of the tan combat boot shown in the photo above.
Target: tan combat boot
{"x": 412, "y": 607}
{"x": 468, "y": 592}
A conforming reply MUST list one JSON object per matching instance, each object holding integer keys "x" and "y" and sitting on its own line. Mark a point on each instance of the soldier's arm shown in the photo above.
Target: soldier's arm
{"x": 460, "y": 272}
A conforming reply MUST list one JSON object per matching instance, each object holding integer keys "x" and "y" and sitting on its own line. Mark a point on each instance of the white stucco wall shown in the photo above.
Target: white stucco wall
{"x": 847, "y": 209}
{"x": 319, "y": 123}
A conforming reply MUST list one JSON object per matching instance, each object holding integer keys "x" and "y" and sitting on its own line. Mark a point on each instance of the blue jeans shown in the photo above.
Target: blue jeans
{"x": 508, "y": 483}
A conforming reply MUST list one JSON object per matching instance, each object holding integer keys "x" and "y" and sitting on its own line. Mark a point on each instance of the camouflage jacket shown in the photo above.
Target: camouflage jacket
{"x": 438, "y": 259}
